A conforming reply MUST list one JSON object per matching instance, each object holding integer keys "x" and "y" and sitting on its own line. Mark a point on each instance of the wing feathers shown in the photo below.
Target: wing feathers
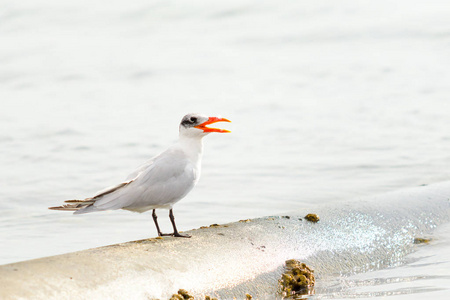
{"x": 160, "y": 182}
{"x": 71, "y": 207}
{"x": 76, "y": 205}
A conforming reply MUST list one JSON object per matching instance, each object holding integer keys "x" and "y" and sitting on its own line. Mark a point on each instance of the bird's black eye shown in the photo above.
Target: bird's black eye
{"x": 193, "y": 119}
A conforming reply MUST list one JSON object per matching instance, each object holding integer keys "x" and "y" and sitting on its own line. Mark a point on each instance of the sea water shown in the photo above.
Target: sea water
{"x": 330, "y": 101}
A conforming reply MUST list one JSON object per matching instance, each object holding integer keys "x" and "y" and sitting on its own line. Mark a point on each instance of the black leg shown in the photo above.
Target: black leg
{"x": 175, "y": 231}
{"x": 155, "y": 219}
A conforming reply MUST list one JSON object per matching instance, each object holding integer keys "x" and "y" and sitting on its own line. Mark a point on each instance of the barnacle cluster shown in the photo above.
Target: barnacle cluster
{"x": 184, "y": 295}
{"x": 312, "y": 218}
{"x": 298, "y": 279}
{"x": 421, "y": 241}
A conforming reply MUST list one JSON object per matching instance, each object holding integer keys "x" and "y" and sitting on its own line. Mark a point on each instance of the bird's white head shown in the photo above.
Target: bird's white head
{"x": 194, "y": 125}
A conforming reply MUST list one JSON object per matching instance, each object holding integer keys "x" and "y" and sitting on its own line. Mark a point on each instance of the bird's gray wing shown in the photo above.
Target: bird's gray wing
{"x": 160, "y": 182}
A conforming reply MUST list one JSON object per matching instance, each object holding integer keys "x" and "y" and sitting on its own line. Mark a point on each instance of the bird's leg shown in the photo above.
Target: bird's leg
{"x": 175, "y": 231}
{"x": 155, "y": 219}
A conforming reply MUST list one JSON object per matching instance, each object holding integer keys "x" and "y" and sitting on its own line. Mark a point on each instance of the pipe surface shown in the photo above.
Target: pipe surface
{"x": 233, "y": 259}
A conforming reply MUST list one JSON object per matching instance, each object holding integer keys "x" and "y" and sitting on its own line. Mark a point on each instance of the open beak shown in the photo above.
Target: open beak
{"x": 212, "y": 120}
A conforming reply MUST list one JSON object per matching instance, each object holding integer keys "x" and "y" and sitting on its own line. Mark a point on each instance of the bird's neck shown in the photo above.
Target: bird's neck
{"x": 192, "y": 146}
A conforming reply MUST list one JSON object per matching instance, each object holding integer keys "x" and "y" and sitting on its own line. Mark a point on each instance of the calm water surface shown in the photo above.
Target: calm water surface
{"x": 329, "y": 101}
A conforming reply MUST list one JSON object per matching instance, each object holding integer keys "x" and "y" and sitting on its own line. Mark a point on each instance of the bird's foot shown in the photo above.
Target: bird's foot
{"x": 177, "y": 234}
{"x": 165, "y": 234}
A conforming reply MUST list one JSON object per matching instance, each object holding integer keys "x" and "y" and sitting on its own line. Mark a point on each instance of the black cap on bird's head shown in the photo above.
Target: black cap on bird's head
{"x": 196, "y": 124}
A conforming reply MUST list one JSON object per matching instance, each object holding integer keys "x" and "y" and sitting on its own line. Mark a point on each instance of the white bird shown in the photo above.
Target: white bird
{"x": 160, "y": 182}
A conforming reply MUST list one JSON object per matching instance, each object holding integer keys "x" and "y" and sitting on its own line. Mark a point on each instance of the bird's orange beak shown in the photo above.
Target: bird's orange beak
{"x": 212, "y": 120}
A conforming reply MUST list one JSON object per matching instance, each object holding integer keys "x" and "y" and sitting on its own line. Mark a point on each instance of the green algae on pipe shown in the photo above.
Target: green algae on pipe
{"x": 239, "y": 258}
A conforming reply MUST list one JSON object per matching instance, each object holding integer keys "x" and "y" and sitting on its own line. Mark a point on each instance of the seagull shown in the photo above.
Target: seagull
{"x": 160, "y": 182}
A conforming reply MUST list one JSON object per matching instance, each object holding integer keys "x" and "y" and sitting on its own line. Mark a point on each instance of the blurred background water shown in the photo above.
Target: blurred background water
{"x": 330, "y": 100}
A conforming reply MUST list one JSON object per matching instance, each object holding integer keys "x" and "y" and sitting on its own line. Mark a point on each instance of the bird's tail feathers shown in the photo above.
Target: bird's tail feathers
{"x": 86, "y": 205}
{"x": 74, "y": 205}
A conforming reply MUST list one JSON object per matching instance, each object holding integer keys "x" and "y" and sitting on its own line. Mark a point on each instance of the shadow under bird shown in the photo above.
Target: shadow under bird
{"x": 160, "y": 182}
